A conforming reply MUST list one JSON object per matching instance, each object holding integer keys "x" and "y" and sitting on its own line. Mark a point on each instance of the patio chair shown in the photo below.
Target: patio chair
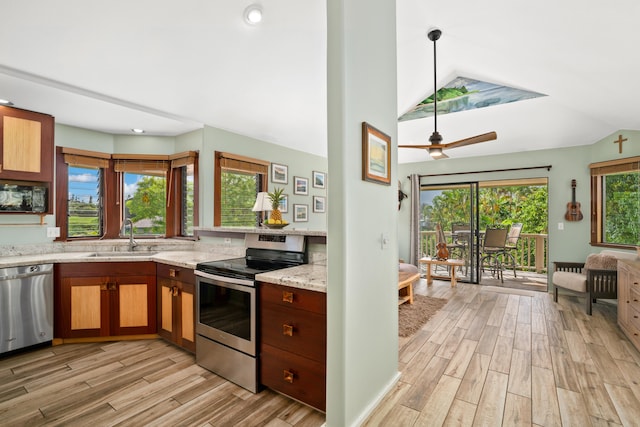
{"x": 493, "y": 247}
{"x": 512, "y": 244}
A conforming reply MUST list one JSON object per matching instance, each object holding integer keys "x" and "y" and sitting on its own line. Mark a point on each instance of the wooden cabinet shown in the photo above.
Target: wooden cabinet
{"x": 629, "y": 300}
{"x": 104, "y": 299}
{"x": 26, "y": 145}
{"x": 176, "y": 305}
{"x": 293, "y": 342}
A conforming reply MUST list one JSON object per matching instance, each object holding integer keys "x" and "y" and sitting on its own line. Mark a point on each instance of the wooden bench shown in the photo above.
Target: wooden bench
{"x": 405, "y": 286}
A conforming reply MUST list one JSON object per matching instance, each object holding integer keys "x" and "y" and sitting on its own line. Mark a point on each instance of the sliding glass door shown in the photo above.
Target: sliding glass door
{"x": 455, "y": 209}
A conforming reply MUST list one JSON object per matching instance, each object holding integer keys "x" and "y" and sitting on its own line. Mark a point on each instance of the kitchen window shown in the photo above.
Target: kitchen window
{"x": 158, "y": 193}
{"x": 238, "y": 179}
{"x": 615, "y": 203}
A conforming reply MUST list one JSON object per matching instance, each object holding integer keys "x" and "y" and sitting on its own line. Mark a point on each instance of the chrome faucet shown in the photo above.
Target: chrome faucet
{"x": 132, "y": 243}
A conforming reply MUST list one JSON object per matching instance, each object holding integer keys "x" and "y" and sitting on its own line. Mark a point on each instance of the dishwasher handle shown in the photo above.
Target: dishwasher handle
{"x": 23, "y": 272}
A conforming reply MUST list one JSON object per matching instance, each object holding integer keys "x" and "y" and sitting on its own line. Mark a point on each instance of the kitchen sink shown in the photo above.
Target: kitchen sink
{"x": 121, "y": 254}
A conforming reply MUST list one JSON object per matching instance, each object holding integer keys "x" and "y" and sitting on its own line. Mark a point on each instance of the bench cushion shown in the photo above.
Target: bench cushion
{"x": 410, "y": 268}
{"x": 600, "y": 262}
{"x": 574, "y": 281}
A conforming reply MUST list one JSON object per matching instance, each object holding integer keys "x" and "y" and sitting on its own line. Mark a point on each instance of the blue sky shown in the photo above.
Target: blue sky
{"x": 83, "y": 183}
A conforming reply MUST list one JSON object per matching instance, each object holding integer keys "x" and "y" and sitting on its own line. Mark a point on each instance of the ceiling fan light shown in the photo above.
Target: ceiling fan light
{"x": 436, "y": 152}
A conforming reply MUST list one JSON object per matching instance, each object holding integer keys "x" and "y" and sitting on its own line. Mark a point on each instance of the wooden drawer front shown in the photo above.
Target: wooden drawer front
{"x": 298, "y": 331}
{"x": 293, "y": 297}
{"x": 176, "y": 273}
{"x": 634, "y": 319}
{"x": 634, "y": 298}
{"x": 635, "y": 280}
{"x": 295, "y": 376}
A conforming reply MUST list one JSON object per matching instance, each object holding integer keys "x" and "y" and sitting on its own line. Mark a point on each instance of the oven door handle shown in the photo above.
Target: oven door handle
{"x": 223, "y": 279}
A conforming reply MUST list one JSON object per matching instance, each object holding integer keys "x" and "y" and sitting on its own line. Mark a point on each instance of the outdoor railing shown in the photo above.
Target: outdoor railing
{"x": 530, "y": 255}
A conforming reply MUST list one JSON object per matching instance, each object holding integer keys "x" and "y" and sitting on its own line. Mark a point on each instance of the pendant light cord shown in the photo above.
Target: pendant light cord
{"x": 435, "y": 90}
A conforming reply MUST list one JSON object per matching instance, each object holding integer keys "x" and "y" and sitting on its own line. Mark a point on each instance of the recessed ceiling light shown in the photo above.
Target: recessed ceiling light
{"x": 253, "y": 14}
{"x": 5, "y": 102}
{"x": 134, "y": 130}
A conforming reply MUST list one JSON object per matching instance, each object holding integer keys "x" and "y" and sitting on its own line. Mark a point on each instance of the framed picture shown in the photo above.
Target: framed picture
{"x": 300, "y": 186}
{"x": 284, "y": 203}
{"x": 376, "y": 155}
{"x": 279, "y": 173}
{"x": 318, "y": 204}
{"x": 318, "y": 178}
{"x": 300, "y": 213}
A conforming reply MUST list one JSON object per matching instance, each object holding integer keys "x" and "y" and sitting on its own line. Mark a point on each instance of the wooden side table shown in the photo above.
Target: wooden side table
{"x": 405, "y": 286}
{"x": 452, "y": 263}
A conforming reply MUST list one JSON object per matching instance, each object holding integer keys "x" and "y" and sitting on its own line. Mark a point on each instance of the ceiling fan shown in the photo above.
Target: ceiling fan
{"x": 436, "y": 147}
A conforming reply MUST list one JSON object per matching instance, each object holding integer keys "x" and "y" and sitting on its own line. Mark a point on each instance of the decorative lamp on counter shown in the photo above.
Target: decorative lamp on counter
{"x": 263, "y": 204}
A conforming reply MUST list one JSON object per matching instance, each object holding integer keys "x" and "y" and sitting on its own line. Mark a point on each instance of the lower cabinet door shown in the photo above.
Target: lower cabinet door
{"x": 134, "y": 306}
{"x": 296, "y": 376}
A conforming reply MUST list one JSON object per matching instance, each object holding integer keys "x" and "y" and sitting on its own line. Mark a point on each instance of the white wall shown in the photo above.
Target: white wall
{"x": 362, "y": 353}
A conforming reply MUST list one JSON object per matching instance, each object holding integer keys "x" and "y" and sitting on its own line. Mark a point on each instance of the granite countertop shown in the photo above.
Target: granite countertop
{"x": 187, "y": 259}
{"x": 291, "y": 230}
{"x": 309, "y": 276}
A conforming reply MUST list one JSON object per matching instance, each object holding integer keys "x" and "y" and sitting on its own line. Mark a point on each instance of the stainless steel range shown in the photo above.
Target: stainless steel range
{"x": 226, "y": 341}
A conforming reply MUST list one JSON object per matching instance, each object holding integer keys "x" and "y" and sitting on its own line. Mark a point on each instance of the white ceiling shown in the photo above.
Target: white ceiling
{"x": 170, "y": 67}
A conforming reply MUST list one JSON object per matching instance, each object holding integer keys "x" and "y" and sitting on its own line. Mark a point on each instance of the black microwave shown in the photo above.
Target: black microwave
{"x": 23, "y": 197}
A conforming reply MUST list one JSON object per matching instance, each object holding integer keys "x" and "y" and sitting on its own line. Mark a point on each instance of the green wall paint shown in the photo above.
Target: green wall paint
{"x": 25, "y": 229}
{"x": 570, "y": 244}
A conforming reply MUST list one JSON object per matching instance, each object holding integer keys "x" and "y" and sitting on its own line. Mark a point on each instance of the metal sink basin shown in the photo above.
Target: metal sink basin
{"x": 121, "y": 254}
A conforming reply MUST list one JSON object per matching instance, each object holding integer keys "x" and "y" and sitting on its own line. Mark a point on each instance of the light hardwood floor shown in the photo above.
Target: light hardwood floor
{"x": 492, "y": 356}
{"x": 133, "y": 383}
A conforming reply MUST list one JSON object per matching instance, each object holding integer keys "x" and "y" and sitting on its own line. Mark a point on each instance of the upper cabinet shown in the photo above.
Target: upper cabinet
{"x": 26, "y": 145}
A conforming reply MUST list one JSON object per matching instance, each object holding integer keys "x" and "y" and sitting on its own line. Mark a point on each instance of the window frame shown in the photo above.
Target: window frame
{"x": 243, "y": 164}
{"x": 598, "y": 172}
{"x": 113, "y": 194}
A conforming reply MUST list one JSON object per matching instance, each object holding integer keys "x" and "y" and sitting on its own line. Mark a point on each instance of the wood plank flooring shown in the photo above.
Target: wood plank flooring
{"x": 492, "y": 356}
{"x": 133, "y": 383}
{"x": 495, "y": 356}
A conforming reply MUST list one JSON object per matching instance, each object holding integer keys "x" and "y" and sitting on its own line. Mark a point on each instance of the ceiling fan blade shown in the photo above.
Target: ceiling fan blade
{"x": 424, "y": 147}
{"x": 490, "y": 136}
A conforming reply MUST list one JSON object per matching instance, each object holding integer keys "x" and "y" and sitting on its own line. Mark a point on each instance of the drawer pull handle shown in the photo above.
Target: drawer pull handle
{"x": 173, "y": 272}
{"x": 287, "y": 330}
{"x": 288, "y": 376}
{"x": 287, "y": 297}
{"x": 175, "y": 291}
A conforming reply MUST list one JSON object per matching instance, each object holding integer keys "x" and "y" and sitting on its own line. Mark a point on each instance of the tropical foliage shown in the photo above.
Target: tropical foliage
{"x": 622, "y": 209}
{"x": 501, "y": 206}
{"x": 238, "y": 195}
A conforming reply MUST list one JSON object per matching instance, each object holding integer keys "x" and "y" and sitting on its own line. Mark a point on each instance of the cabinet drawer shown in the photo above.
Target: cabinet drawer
{"x": 295, "y": 376}
{"x": 176, "y": 273}
{"x": 298, "y": 331}
{"x": 634, "y": 319}
{"x": 286, "y": 296}
{"x": 634, "y": 298}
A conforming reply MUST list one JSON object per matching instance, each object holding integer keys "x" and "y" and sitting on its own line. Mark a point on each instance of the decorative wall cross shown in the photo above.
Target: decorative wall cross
{"x": 620, "y": 141}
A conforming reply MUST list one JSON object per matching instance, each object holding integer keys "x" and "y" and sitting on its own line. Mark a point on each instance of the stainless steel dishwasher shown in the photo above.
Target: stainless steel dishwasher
{"x": 26, "y": 306}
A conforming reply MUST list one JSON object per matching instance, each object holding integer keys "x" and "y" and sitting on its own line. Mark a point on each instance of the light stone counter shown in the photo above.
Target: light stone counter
{"x": 187, "y": 259}
{"x": 309, "y": 276}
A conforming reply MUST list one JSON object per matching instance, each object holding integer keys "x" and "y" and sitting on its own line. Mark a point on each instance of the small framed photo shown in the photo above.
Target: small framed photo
{"x": 318, "y": 178}
{"x": 300, "y": 213}
{"x": 300, "y": 186}
{"x": 376, "y": 155}
{"x": 279, "y": 173}
{"x": 284, "y": 203}
{"x": 318, "y": 204}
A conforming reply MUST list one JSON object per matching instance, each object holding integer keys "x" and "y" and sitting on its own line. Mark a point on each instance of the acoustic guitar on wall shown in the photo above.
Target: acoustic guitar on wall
{"x": 573, "y": 207}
